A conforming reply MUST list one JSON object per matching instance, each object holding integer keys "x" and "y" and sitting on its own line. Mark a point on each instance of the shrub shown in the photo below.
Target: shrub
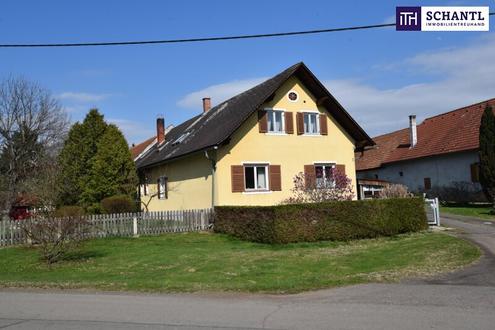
{"x": 69, "y": 211}
{"x": 307, "y": 189}
{"x": 458, "y": 192}
{"x": 118, "y": 204}
{"x": 337, "y": 220}
{"x": 395, "y": 191}
{"x": 55, "y": 237}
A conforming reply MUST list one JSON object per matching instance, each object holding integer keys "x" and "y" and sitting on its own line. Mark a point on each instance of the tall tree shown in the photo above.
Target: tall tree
{"x": 77, "y": 156}
{"x": 487, "y": 154}
{"x": 32, "y": 128}
{"x": 113, "y": 171}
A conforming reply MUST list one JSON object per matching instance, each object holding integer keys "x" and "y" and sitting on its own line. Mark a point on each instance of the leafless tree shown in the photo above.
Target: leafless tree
{"x": 33, "y": 125}
{"x": 56, "y": 237}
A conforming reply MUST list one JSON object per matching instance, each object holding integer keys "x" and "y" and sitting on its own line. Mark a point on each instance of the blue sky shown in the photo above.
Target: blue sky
{"x": 379, "y": 75}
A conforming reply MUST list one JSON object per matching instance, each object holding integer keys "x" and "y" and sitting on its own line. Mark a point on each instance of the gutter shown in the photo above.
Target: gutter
{"x": 212, "y": 159}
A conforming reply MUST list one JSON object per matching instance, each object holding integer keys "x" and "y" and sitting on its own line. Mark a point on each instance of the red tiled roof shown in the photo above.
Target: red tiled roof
{"x": 452, "y": 131}
{"x": 139, "y": 148}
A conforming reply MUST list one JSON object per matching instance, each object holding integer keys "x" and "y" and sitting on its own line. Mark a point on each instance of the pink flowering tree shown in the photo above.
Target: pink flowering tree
{"x": 310, "y": 189}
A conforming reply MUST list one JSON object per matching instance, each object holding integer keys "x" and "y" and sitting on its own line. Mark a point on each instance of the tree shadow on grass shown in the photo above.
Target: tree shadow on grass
{"x": 76, "y": 256}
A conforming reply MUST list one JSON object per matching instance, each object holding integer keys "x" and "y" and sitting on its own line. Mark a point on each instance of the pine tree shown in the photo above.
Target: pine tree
{"x": 112, "y": 171}
{"x": 76, "y": 157}
{"x": 487, "y": 154}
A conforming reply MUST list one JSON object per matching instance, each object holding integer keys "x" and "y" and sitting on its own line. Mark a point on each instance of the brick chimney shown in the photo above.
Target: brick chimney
{"x": 413, "y": 134}
{"x": 160, "y": 130}
{"x": 206, "y": 104}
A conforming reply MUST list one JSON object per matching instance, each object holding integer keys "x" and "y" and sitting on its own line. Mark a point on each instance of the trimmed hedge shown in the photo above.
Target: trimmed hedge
{"x": 339, "y": 221}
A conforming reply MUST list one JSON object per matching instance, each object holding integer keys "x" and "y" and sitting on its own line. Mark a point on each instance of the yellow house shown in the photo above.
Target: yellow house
{"x": 247, "y": 150}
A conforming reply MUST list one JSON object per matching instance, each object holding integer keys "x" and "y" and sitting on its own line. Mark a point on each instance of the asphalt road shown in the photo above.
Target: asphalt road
{"x": 462, "y": 300}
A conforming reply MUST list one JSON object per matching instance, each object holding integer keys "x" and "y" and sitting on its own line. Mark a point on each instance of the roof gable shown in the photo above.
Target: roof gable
{"x": 219, "y": 123}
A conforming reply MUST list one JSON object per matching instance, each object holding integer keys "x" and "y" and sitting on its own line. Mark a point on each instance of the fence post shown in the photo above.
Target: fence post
{"x": 135, "y": 226}
{"x": 437, "y": 210}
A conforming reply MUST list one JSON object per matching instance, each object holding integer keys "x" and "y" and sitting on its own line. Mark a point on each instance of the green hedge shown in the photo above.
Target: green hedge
{"x": 338, "y": 221}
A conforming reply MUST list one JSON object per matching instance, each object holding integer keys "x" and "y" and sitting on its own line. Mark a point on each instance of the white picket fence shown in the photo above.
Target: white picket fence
{"x": 124, "y": 225}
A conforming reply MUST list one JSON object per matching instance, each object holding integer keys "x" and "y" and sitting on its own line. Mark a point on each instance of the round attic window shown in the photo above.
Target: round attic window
{"x": 292, "y": 96}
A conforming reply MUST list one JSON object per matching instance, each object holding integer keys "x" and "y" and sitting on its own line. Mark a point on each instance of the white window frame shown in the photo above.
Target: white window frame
{"x": 162, "y": 187}
{"x": 267, "y": 176}
{"x": 270, "y": 112}
{"x": 311, "y": 113}
{"x": 325, "y": 179}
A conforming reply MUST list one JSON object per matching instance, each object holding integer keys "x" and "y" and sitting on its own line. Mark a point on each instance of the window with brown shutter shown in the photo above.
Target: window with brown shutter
{"x": 427, "y": 183}
{"x": 289, "y": 123}
{"x": 309, "y": 176}
{"x": 237, "y": 176}
{"x": 340, "y": 169}
{"x": 323, "y": 125}
{"x": 300, "y": 123}
{"x": 275, "y": 178}
{"x": 262, "y": 121}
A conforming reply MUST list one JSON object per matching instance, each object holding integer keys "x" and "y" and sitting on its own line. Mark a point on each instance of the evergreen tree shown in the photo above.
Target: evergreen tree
{"x": 487, "y": 154}
{"x": 112, "y": 171}
{"x": 77, "y": 156}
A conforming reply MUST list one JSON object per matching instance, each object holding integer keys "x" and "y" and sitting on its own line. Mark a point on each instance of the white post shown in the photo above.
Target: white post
{"x": 437, "y": 211}
{"x": 134, "y": 226}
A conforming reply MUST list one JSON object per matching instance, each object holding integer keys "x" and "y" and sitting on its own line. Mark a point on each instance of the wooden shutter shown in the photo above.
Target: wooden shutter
{"x": 300, "y": 123}
{"x": 289, "y": 123}
{"x": 275, "y": 178}
{"x": 340, "y": 169}
{"x": 323, "y": 125}
{"x": 262, "y": 121}
{"x": 165, "y": 185}
{"x": 427, "y": 182}
{"x": 475, "y": 172}
{"x": 237, "y": 174}
{"x": 309, "y": 176}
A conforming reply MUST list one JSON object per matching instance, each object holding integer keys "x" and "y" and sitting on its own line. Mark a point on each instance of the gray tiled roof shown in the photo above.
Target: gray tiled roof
{"x": 219, "y": 123}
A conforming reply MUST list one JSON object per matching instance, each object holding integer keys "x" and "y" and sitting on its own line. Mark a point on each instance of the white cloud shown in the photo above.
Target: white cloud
{"x": 217, "y": 93}
{"x": 134, "y": 132}
{"x": 82, "y": 97}
{"x": 464, "y": 76}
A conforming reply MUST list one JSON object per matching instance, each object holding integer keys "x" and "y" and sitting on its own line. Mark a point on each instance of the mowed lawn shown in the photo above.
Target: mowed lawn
{"x": 211, "y": 262}
{"x": 481, "y": 211}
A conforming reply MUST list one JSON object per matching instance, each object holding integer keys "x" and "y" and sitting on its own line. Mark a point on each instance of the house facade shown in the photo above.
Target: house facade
{"x": 438, "y": 156}
{"x": 247, "y": 150}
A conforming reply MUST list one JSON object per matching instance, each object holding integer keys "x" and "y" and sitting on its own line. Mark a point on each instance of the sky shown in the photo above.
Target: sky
{"x": 380, "y": 76}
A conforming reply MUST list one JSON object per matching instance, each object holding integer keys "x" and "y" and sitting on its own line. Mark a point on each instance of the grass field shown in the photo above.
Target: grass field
{"x": 211, "y": 262}
{"x": 481, "y": 211}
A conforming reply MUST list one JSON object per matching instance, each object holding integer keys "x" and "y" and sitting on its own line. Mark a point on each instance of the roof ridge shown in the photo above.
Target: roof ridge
{"x": 459, "y": 109}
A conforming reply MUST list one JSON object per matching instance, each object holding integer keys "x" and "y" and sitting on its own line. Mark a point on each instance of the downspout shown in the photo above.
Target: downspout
{"x": 213, "y": 171}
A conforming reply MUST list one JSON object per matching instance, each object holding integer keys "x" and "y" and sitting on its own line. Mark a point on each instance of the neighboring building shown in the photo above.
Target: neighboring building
{"x": 140, "y": 149}
{"x": 440, "y": 154}
{"x": 247, "y": 150}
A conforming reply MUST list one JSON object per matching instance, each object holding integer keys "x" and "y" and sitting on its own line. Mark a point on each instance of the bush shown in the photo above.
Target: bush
{"x": 118, "y": 204}
{"x": 56, "y": 237}
{"x": 458, "y": 192}
{"x": 69, "y": 211}
{"x": 337, "y": 220}
{"x": 395, "y": 191}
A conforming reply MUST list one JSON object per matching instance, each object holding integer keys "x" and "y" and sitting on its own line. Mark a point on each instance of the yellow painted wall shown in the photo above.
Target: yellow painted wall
{"x": 189, "y": 184}
{"x": 291, "y": 151}
{"x": 190, "y": 177}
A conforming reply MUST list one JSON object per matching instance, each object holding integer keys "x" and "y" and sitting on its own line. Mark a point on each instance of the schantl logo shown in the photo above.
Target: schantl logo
{"x": 429, "y": 18}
